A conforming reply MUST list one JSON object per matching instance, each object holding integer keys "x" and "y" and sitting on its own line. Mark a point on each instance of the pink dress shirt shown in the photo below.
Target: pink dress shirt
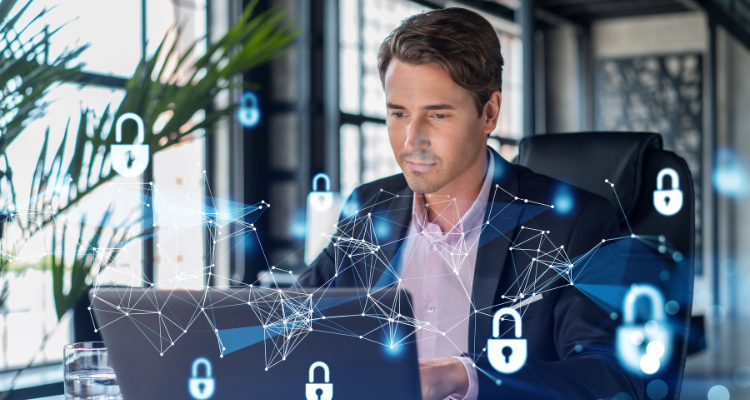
{"x": 438, "y": 271}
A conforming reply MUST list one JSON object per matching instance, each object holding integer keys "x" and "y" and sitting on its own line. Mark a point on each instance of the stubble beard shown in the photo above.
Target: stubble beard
{"x": 419, "y": 182}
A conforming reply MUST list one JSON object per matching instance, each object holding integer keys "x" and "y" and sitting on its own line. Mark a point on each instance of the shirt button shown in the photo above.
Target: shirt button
{"x": 430, "y": 308}
{"x": 437, "y": 247}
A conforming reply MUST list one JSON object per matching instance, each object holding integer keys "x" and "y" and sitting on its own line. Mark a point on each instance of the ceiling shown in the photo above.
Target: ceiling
{"x": 585, "y": 11}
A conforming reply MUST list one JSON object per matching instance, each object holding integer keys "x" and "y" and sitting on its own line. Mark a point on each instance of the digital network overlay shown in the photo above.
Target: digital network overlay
{"x": 289, "y": 313}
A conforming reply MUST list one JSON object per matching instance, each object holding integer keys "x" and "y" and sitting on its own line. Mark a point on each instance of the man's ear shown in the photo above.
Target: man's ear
{"x": 491, "y": 112}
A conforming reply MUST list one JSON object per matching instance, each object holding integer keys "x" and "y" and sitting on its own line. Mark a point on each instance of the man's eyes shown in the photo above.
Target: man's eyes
{"x": 436, "y": 115}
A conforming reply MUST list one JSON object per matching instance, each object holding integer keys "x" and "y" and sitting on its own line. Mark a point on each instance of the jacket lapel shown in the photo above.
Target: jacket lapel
{"x": 494, "y": 243}
{"x": 391, "y": 216}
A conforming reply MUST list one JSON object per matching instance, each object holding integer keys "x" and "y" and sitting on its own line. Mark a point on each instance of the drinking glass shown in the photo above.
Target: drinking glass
{"x": 88, "y": 372}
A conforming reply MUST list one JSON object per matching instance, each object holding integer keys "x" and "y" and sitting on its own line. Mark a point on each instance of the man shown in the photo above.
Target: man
{"x": 457, "y": 236}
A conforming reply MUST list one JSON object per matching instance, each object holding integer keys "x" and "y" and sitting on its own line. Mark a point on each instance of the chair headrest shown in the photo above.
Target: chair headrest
{"x": 616, "y": 156}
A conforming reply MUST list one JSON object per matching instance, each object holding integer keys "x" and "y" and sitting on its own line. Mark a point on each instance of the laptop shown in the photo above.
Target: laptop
{"x": 260, "y": 343}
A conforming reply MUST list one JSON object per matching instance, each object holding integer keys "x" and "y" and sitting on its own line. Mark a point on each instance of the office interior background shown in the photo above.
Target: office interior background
{"x": 680, "y": 68}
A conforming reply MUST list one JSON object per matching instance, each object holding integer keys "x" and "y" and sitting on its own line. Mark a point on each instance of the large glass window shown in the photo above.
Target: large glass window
{"x": 366, "y": 153}
{"x": 29, "y": 329}
{"x": 111, "y": 28}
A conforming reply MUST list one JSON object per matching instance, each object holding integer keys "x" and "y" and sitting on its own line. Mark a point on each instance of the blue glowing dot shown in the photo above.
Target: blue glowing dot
{"x": 664, "y": 275}
{"x": 716, "y": 315}
{"x": 563, "y": 198}
{"x": 728, "y": 267}
{"x": 613, "y": 316}
{"x": 578, "y": 348}
{"x": 718, "y": 392}
{"x": 742, "y": 376}
{"x": 382, "y": 229}
{"x": 298, "y": 226}
{"x": 350, "y": 208}
{"x": 730, "y": 177}
{"x": 677, "y": 256}
{"x": 672, "y": 307}
{"x": 657, "y": 389}
{"x": 622, "y": 396}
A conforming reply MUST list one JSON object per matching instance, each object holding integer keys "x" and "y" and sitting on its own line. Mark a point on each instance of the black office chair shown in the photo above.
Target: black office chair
{"x": 635, "y": 163}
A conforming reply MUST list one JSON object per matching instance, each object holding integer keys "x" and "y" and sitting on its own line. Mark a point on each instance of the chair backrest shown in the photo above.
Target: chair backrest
{"x": 656, "y": 194}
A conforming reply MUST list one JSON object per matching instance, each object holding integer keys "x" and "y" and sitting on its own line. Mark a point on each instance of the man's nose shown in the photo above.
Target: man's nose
{"x": 416, "y": 136}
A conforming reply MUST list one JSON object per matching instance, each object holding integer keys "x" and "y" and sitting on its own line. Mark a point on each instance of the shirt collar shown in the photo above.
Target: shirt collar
{"x": 473, "y": 216}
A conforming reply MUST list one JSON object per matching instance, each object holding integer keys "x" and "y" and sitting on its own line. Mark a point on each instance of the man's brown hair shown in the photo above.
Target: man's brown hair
{"x": 460, "y": 41}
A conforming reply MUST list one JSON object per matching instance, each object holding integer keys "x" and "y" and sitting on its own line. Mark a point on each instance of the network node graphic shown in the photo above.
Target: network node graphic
{"x": 363, "y": 240}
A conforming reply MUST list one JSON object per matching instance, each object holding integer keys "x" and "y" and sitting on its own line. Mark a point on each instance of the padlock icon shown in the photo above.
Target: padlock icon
{"x": 249, "y": 110}
{"x": 130, "y": 159}
{"x": 668, "y": 201}
{"x": 323, "y": 208}
{"x": 201, "y": 388}
{"x": 321, "y": 201}
{"x": 319, "y": 391}
{"x": 506, "y": 355}
{"x": 644, "y": 348}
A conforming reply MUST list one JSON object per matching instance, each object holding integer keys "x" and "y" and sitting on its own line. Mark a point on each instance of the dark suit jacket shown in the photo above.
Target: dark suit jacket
{"x": 553, "y": 326}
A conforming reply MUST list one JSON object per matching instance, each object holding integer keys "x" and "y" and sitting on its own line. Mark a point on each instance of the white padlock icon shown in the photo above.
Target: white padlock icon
{"x": 201, "y": 388}
{"x": 506, "y": 355}
{"x": 319, "y": 391}
{"x": 136, "y": 154}
{"x": 642, "y": 348}
{"x": 668, "y": 201}
{"x": 249, "y": 111}
{"x": 321, "y": 201}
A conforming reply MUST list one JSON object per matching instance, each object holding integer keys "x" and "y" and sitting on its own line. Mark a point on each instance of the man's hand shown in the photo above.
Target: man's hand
{"x": 442, "y": 377}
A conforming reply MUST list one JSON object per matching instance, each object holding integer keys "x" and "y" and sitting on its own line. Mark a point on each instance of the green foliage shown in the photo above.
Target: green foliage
{"x": 178, "y": 88}
{"x": 253, "y": 41}
{"x": 25, "y": 75}
{"x": 25, "y": 71}
{"x": 97, "y": 252}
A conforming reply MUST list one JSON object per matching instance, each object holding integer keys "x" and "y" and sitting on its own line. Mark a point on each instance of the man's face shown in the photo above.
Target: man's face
{"x": 433, "y": 125}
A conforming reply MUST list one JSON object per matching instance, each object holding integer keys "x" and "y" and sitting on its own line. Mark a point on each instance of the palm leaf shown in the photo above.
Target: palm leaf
{"x": 152, "y": 91}
{"x": 25, "y": 71}
{"x": 251, "y": 42}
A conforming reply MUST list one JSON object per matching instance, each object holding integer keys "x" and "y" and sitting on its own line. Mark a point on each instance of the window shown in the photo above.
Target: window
{"x": 28, "y": 326}
{"x": 178, "y": 171}
{"x": 366, "y": 154}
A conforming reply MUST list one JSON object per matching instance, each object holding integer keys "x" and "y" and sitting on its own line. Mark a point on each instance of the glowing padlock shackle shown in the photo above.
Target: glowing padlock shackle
{"x": 138, "y": 121}
{"x": 636, "y": 291}
{"x": 672, "y": 174}
{"x": 325, "y": 178}
{"x": 317, "y": 364}
{"x": 249, "y": 100}
{"x": 501, "y": 313}
{"x": 206, "y": 363}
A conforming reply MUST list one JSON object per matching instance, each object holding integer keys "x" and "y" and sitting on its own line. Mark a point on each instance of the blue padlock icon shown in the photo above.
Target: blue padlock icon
{"x": 643, "y": 348}
{"x": 201, "y": 388}
{"x": 249, "y": 111}
{"x": 130, "y": 159}
{"x": 321, "y": 200}
{"x": 319, "y": 391}
{"x": 507, "y": 355}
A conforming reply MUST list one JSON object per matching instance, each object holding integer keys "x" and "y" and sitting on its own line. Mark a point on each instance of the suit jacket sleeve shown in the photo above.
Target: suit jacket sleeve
{"x": 593, "y": 372}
